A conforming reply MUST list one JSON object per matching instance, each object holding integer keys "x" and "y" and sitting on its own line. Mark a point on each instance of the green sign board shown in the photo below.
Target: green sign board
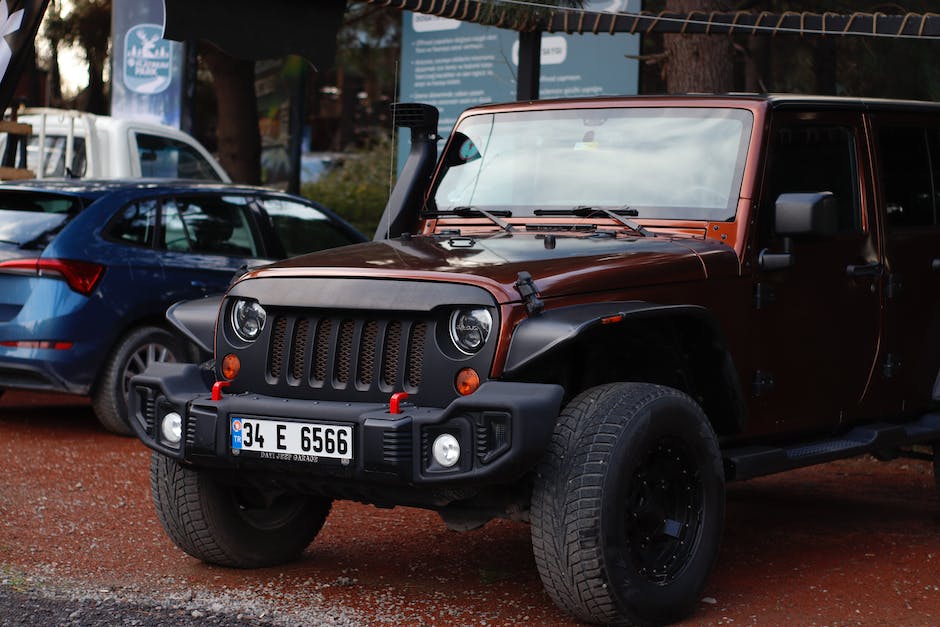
{"x": 454, "y": 65}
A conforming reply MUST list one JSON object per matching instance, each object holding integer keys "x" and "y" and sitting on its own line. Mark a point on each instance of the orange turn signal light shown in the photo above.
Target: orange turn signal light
{"x": 467, "y": 381}
{"x": 231, "y": 366}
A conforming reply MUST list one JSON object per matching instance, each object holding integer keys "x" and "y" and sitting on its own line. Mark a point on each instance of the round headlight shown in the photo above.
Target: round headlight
{"x": 469, "y": 329}
{"x": 248, "y": 319}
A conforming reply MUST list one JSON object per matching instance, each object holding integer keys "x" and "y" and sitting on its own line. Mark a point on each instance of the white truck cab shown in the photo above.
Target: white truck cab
{"x": 84, "y": 145}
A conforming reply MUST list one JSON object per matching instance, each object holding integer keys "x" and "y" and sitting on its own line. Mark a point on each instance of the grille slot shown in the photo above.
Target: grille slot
{"x": 278, "y": 344}
{"x": 368, "y": 346}
{"x": 321, "y": 352}
{"x": 347, "y": 354}
{"x": 299, "y": 351}
{"x": 416, "y": 354}
{"x": 344, "y": 352}
{"x": 392, "y": 352}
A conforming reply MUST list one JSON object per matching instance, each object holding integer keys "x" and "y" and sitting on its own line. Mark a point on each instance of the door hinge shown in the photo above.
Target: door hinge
{"x": 894, "y": 285}
{"x": 763, "y": 383}
{"x": 764, "y": 295}
{"x": 891, "y": 365}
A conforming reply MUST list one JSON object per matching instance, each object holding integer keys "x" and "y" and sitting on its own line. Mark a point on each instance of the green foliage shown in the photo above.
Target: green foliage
{"x": 359, "y": 188}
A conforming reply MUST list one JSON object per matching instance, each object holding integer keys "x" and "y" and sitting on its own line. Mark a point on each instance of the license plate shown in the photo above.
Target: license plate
{"x": 303, "y": 441}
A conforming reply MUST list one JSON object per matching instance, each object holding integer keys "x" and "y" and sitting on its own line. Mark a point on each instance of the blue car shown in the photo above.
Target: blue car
{"x": 89, "y": 268}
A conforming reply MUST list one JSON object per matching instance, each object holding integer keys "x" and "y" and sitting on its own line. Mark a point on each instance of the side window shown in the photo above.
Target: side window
{"x": 215, "y": 225}
{"x": 135, "y": 223}
{"x": 302, "y": 228}
{"x": 53, "y": 156}
{"x": 905, "y": 176}
{"x": 818, "y": 158}
{"x": 162, "y": 157}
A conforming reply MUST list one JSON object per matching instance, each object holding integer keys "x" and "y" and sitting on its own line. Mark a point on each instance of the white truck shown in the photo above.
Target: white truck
{"x": 84, "y": 145}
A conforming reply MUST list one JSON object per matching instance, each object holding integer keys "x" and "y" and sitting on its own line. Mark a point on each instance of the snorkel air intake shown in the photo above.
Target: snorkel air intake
{"x": 401, "y": 212}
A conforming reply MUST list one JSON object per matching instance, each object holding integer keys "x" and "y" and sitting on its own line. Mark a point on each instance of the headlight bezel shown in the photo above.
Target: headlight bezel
{"x": 480, "y": 321}
{"x": 239, "y": 313}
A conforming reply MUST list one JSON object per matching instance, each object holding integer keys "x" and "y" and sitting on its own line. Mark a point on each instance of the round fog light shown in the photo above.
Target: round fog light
{"x": 446, "y": 450}
{"x": 172, "y": 427}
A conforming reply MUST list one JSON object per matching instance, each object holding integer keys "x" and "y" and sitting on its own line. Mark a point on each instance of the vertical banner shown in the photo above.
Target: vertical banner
{"x": 453, "y": 65}
{"x": 146, "y": 69}
{"x": 19, "y": 21}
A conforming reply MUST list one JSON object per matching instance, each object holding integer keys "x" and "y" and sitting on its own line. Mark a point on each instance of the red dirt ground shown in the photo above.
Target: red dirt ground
{"x": 849, "y": 543}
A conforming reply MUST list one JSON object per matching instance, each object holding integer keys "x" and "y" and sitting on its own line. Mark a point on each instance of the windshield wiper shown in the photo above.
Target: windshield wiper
{"x": 584, "y": 211}
{"x": 465, "y": 212}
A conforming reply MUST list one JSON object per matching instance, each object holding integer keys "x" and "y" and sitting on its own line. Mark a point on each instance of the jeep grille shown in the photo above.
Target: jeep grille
{"x": 344, "y": 353}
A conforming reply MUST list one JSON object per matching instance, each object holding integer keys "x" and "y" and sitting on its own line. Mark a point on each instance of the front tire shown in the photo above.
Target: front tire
{"x": 134, "y": 352}
{"x": 628, "y": 505}
{"x": 232, "y": 526}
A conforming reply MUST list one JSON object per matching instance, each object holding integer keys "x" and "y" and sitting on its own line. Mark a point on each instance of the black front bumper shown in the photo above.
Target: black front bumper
{"x": 503, "y": 429}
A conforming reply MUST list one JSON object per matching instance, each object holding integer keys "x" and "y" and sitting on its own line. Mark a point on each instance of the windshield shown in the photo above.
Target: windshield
{"x": 31, "y": 220}
{"x": 666, "y": 163}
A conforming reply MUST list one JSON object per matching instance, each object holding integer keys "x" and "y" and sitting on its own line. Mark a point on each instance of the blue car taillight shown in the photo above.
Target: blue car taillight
{"x": 81, "y": 276}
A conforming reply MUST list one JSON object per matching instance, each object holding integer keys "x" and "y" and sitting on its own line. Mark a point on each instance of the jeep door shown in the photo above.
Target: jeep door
{"x": 817, "y": 321}
{"x": 907, "y": 149}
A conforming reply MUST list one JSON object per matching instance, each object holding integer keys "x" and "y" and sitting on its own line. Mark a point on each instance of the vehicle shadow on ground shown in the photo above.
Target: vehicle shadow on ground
{"x": 68, "y": 413}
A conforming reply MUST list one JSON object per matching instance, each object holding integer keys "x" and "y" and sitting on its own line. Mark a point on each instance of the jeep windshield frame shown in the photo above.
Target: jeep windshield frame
{"x": 667, "y": 163}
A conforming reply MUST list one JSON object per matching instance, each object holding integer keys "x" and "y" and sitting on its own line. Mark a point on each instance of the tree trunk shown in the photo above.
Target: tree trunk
{"x": 95, "y": 99}
{"x": 698, "y": 63}
{"x": 55, "y": 75}
{"x": 239, "y": 140}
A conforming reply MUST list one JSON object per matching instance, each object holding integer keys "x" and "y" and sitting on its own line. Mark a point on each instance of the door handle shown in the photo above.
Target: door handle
{"x": 864, "y": 269}
{"x": 935, "y": 265}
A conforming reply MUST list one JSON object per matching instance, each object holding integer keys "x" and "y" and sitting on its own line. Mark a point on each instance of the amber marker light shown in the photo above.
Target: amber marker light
{"x": 467, "y": 381}
{"x": 231, "y": 365}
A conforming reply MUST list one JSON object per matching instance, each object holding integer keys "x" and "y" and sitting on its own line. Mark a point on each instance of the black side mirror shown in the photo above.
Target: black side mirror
{"x": 800, "y": 214}
{"x": 806, "y": 214}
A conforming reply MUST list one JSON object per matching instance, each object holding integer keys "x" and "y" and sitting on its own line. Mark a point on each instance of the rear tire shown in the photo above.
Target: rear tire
{"x": 628, "y": 505}
{"x": 134, "y": 352}
{"x": 229, "y": 526}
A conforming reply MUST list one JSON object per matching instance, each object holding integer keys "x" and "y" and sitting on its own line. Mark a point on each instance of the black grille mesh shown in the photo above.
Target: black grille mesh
{"x": 322, "y": 351}
{"x": 347, "y": 353}
{"x": 344, "y": 354}
{"x": 416, "y": 354}
{"x": 364, "y": 377}
{"x": 392, "y": 352}
{"x": 299, "y": 352}
{"x": 278, "y": 343}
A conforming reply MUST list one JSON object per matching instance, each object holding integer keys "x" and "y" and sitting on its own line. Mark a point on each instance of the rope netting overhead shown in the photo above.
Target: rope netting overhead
{"x": 529, "y": 16}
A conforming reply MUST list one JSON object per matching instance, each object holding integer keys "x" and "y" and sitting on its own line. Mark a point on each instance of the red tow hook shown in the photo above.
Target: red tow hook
{"x": 394, "y": 403}
{"x": 217, "y": 389}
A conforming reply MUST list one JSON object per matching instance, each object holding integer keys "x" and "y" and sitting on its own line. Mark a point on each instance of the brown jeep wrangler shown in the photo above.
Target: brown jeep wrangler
{"x": 587, "y": 314}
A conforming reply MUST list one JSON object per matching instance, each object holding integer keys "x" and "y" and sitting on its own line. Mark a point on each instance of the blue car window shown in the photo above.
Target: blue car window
{"x": 30, "y": 220}
{"x": 135, "y": 224}
{"x": 209, "y": 225}
{"x": 303, "y": 229}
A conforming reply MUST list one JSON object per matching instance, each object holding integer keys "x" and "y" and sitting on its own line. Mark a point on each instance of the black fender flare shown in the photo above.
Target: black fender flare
{"x": 196, "y": 319}
{"x": 539, "y": 336}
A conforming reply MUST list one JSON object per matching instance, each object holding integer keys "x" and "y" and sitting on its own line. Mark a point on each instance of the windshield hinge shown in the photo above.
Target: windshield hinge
{"x": 530, "y": 294}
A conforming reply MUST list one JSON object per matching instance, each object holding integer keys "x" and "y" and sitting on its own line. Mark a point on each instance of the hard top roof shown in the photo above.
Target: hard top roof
{"x": 772, "y": 101}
